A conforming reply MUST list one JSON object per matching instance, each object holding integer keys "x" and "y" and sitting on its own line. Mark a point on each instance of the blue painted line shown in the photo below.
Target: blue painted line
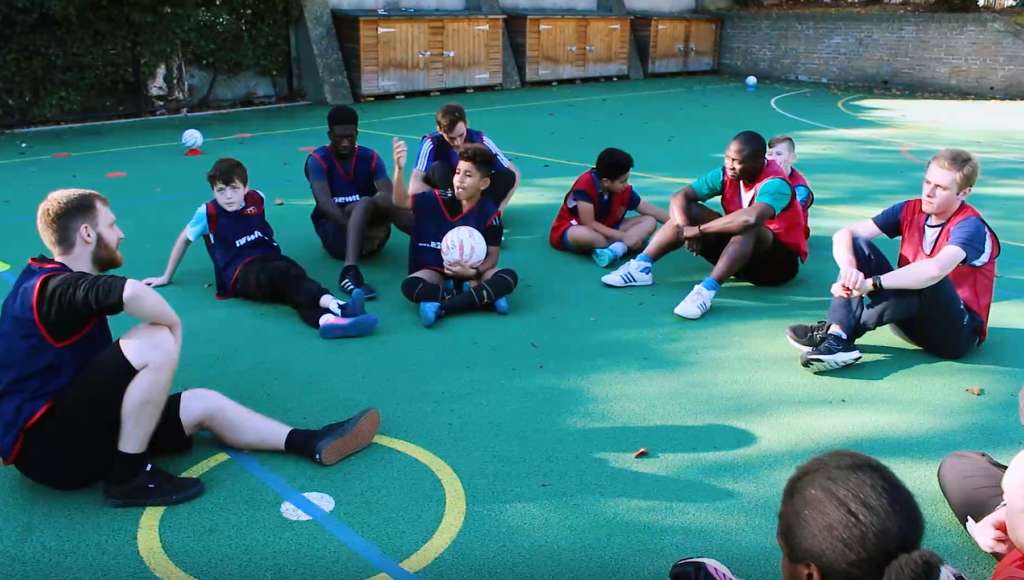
{"x": 334, "y": 526}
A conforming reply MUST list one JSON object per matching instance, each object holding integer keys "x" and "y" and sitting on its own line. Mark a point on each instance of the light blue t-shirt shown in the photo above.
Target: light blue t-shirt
{"x": 198, "y": 226}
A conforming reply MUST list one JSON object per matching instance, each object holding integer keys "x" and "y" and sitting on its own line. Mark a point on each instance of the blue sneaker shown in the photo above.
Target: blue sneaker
{"x": 355, "y": 305}
{"x": 501, "y": 305}
{"x": 835, "y": 353}
{"x": 429, "y": 313}
{"x": 604, "y": 257}
{"x": 339, "y": 327}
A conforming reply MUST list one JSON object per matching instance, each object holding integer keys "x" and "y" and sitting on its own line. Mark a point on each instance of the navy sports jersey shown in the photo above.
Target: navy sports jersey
{"x": 235, "y": 237}
{"x": 435, "y": 217}
{"x": 34, "y": 366}
{"x": 349, "y": 180}
{"x": 433, "y": 147}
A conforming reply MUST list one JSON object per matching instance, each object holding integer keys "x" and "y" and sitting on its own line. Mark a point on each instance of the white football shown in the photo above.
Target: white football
{"x": 192, "y": 139}
{"x": 463, "y": 245}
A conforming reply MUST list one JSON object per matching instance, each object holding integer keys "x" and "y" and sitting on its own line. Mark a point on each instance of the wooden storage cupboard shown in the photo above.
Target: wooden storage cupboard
{"x": 552, "y": 48}
{"x": 398, "y": 55}
{"x": 672, "y": 45}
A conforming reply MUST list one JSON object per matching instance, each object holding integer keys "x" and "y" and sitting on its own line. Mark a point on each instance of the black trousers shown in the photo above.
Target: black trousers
{"x": 933, "y": 318}
{"x": 281, "y": 280}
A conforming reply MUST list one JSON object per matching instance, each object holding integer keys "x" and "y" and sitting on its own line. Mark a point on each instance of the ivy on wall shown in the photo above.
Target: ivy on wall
{"x": 64, "y": 59}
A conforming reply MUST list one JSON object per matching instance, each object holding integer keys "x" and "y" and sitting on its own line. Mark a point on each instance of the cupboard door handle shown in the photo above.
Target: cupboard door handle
{"x": 423, "y": 53}
{"x": 448, "y": 53}
{"x": 680, "y": 48}
{"x": 571, "y": 48}
{"x": 483, "y": 27}
{"x": 590, "y": 49}
{"x": 614, "y": 26}
{"x": 382, "y": 30}
{"x": 662, "y": 27}
{"x": 545, "y": 27}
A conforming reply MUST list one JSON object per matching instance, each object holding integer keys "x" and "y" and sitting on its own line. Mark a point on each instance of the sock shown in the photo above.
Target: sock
{"x": 618, "y": 248}
{"x": 301, "y": 442}
{"x": 645, "y": 258}
{"x": 417, "y": 290}
{"x": 711, "y": 284}
{"x": 502, "y": 283}
{"x": 127, "y": 466}
{"x": 839, "y": 332}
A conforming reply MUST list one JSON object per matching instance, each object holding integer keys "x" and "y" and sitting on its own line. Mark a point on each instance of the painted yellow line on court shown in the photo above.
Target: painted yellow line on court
{"x": 150, "y": 547}
{"x": 778, "y": 109}
{"x": 156, "y": 558}
{"x": 4, "y": 266}
{"x": 454, "y": 504}
{"x": 842, "y": 108}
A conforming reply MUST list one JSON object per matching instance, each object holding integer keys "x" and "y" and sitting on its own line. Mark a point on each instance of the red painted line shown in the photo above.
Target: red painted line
{"x": 307, "y": 149}
{"x": 116, "y": 174}
{"x": 242, "y": 135}
{"x": 60, "y": 154}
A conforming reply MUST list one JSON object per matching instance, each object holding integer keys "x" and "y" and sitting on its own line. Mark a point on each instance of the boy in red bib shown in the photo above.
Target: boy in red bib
{"x": 593, "y": 219}
{"x": 782, "y": 150}
{"x": 938, "y": 296}
{"x": 760, "y": 237}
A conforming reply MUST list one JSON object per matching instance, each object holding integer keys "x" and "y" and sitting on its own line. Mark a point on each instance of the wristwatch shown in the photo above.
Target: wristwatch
{"x": 876, "y": 283}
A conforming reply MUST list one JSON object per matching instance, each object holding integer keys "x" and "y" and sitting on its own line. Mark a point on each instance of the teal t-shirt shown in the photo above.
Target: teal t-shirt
{"x": 774, "y": 192}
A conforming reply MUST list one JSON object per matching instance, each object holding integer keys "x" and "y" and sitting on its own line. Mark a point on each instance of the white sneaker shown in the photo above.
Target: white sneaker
{"x": 696, "y": 303}
{"x": 632, "y": 273}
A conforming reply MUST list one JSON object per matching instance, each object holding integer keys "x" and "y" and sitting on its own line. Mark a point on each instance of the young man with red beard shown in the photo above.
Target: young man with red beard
{"x": 77, "y": 407}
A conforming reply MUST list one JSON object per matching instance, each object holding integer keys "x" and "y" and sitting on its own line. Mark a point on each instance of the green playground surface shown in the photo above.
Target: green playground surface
{"x": 536, "y": 414}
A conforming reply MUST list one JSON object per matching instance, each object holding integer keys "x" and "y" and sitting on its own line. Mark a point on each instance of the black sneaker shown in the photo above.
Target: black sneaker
{"x": 835, "y": 353}
{"x": 351, "y": 279}
{"x": 807, "y": 336}
{"x": 339, "y": 440}
{"x": 153, "y": 487}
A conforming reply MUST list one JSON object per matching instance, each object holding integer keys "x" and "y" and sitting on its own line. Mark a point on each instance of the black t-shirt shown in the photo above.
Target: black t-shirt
{"x": 495, "y": 228}
{"x": 69, "y": 300}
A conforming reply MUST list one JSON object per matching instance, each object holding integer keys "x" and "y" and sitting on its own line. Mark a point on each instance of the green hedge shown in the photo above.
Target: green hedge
{"x": 66, "y": 59}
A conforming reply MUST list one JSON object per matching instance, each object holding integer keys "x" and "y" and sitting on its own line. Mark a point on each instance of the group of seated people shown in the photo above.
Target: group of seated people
{"x": 77, "y": 407}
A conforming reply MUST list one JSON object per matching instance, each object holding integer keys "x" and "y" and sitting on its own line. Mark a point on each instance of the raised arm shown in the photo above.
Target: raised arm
{"x": 400, "y": 195}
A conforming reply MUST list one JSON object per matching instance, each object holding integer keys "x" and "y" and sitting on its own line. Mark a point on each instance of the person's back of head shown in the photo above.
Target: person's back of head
{"x": 845, "y": 516}
{"x": 613, "y": 163}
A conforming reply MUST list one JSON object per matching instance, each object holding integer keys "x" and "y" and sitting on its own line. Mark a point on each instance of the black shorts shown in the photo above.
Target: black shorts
{"x": 334, "y": 236}
{"x": 74, "y": 442}
{"x": 771, "y": 267}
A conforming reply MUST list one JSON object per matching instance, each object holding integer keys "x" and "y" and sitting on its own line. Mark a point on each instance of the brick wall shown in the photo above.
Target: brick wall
{"x": 969, "y": 54}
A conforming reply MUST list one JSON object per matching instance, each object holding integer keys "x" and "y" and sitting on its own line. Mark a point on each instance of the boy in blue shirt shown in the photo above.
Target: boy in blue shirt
{"x": 248, "y": 263}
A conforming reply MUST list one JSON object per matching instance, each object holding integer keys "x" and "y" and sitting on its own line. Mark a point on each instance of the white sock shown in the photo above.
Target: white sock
{"x": 618, "y": 248}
